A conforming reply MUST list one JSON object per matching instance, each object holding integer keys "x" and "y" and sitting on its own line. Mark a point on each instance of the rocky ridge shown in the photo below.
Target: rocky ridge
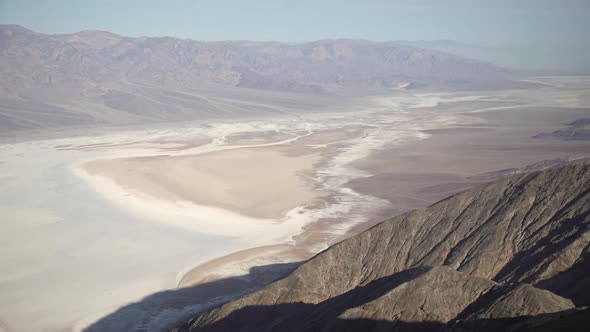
{"x": 505, "y": 255}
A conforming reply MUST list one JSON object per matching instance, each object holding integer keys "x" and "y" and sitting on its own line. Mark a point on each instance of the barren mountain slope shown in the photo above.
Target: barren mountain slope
{"x": 98, "y": 56}
{"x": 95, "y": 77}
{"x": 498, "y": 244}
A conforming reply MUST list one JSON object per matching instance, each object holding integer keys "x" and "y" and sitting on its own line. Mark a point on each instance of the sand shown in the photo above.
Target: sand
{"x": 454, "y": 157}
{"x": 101, "y": 229}
{"x": 270, "y": 259}
{"x": 332, "y": 136}
{"x": 478, "y": 139}
{"x": 250, "y": 138}
{"x": 238, "y": 263}
{"x": 162, "y": 145}
{"x": 257, "y": 182}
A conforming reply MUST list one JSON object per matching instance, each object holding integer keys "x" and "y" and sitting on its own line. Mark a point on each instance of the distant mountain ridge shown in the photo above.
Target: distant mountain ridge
{"x": 503, "y": 256}
{"x": 100, "y": 77}
{"x": 103, "y": 56}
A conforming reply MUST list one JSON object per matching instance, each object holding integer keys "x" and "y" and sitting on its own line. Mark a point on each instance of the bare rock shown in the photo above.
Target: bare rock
{"x": 493, "y": 244}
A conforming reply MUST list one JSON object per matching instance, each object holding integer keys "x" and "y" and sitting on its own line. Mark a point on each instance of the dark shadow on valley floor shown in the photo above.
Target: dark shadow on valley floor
{"x": 163, "y": 310}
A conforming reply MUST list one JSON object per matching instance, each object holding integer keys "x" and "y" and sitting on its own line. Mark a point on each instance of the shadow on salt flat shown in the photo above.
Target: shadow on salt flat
{"x": 164, "y": 310}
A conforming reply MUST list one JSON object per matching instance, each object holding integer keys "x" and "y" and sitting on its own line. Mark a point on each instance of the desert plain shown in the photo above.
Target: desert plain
{"x": 223, "y": 206}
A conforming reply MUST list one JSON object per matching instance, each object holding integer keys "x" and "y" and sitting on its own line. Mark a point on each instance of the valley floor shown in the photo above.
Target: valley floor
{"x": 92, "y": 224}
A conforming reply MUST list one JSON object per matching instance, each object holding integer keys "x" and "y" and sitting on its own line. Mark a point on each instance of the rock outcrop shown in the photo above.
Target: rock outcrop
{"x": 491, "y": 257}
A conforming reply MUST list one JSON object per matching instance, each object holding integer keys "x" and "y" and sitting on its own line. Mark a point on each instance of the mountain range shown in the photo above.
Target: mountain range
{"x": 95, "y": 77}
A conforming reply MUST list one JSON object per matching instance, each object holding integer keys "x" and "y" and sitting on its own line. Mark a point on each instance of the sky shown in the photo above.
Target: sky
{"x": 556, "y": 29}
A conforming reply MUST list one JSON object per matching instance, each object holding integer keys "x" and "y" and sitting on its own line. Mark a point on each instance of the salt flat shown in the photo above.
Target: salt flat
{"x": 92, "y": 223}
{"x": 258, "y": 182}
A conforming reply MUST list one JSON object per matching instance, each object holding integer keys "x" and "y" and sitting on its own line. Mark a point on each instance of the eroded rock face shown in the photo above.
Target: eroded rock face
{"x": 439, "y": 294}
{"x": 515, "y": 301}
{"x": 490, "y": 248}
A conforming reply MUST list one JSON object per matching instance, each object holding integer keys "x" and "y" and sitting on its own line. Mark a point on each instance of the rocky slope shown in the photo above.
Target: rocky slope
{"x": 489, "y": 258}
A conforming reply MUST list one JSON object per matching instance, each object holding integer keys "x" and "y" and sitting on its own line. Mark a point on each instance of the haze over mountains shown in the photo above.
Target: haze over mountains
{"x": 263, "y": 165}
{"x": 486, "y": 259}
{"x": 540, "y": 60}
{"x": 95, "y": 77}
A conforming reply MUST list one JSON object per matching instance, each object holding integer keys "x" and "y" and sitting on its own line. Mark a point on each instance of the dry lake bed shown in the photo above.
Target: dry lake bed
{"x": 90, "y": 225}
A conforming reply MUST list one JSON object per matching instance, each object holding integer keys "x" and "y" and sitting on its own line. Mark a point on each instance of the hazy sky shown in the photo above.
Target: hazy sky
{"x": 551, "y": 25}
